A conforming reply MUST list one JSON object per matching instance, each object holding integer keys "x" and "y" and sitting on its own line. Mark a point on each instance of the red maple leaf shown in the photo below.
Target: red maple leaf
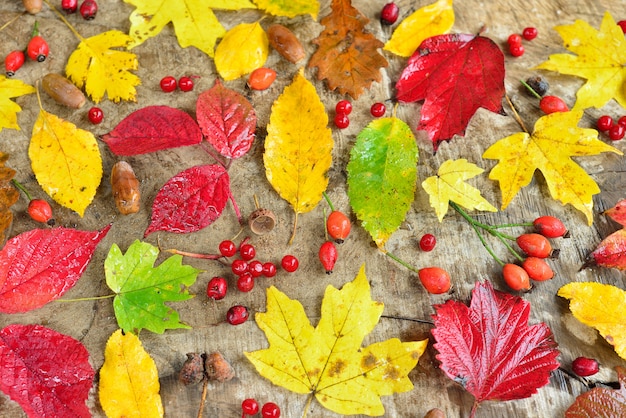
{"x": 490, "y": 349}
{"x": 454, "y": 74}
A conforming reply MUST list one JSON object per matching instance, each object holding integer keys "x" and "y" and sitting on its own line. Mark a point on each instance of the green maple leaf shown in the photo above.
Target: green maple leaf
{"x": 141, "y": 289}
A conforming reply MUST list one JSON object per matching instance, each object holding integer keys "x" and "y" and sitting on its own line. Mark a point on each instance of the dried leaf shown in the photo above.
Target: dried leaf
{"x": 601, "y": 401}
{"x": 8, "y": 196}
{"x": 243, "y": 49}
{"x": 291, "y": 8}
{"x": 347, "y": 56}
{"x": 8, "y": 109}
{"x": 328, "y": 361}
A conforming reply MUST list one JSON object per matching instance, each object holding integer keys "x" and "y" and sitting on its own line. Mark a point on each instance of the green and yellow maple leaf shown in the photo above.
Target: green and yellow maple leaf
{"x": 555, "y": 139}
{"x": 142, "y": 289}
{"x": 328, "y": 361}
{"x": 8, "y": 109}
{"x": 600, "y": 59}
{"x": 194, "y": 22}
{"x": 449, "y": 185}
{"x": 102, "y": 70}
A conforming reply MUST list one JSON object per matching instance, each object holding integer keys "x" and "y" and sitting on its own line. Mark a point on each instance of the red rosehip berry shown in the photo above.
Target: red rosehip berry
{"x": 328, "y": 256}
{"x": 584, "y": 366}
{"x": 13, "y": 62}
{"x": 535, "y": 245}
{"x": 343, "y": 106}
{"x": 428, "y": 242}
{"x": 342, "y": 121}
{"x": 69, "y": 6}
{"x": 261, "y": 78}
{"x": 237, "y": 314}
{"x": 550, "y": 226}
{"x": 516, "y": 50}
{"x": 289, "y": 263}
{"x": 552, "y": 104}
{"x": 89, "y": 9}
{"x": 530, "y": 33}
{"x": 168, "y": 84}
{"x": 37, "y": 49}
{"x": 217, "y": 288}
{"x": 185, "y": 84}
{"x": 516, "y": 277}
{"x": 537, "y": 269}
{"x": 40, "y": 211}
{"x": 378, "y": 109}
{"x": 604, "y": 123}
{"x": 435, "y": 280}
{"x": 338, "y": 226}
{"x": 389, "y": 14}
{"x": 617, "y": 132}
{"x": 95, "y": 115}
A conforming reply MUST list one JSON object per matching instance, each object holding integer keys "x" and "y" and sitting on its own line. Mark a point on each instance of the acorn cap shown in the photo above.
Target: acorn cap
{"x": 262, "y": 221}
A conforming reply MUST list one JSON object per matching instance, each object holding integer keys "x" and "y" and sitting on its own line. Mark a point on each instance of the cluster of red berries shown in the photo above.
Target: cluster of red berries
{"x": 251, "y": 407}
{"x": 389, "y": 14}
{"x": 514, "y": 41}
{"x": 343, "y": 108}
{"x": 615, "y": 130}
{"x": 37, "y": 50}
{"x": 88, "y": 8}
{"x": 169, "y": 84}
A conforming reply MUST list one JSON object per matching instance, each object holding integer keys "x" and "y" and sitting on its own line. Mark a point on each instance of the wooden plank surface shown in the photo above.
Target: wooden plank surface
{"x": 458, "y": 250}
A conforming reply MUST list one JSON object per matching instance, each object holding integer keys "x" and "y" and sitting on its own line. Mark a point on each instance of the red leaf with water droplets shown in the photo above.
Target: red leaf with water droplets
{"x": 153, "y": 128}
{"x": 227, "y": 120}
{"x": 455, "y": 74}
{"x": 601, "y": 401}
{"x": 191, "y": 200}
{"x": 611, "y": 252}
{"x": 46, "y": 372}
{"x": 618, "y": 212}
{"x": 40, "y": 265}
{"x": 490, "y": 349}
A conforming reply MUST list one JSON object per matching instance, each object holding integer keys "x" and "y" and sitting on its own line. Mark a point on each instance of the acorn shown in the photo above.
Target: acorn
{"x": 262, "y": 220}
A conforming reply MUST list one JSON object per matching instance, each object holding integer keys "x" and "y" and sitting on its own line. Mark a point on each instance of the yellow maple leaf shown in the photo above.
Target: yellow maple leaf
{"x": 100, "y": 69}
{"x": 66, "y": 161}
{"x": 194, "y": 22}
{"x": 291, "y": 8}
{"x": 8, "y": 109}
{"x": 555, "y": 139}
{"x": 600, "y": 59}
{"x": 328, "y": 361}
{"x": 243, "y": 49}
{"x": 434, "y": 19}
{"x": 602, "y": 307}
{"x": 298, "y": 146}
{"x": 449, "y": 185}
{"x": 129, "y": 380}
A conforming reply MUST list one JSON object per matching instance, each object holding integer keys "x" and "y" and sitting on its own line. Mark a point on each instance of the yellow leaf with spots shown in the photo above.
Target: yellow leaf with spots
{"x": 8, "y": 109}
{"x": 290, "y": 8}
{"x": 129, "y": 380}
{"x": 298, "y": 146}
{"x": 449, "y": 186}
{"x": 434, "y": 19}
{"x": 328, "y": 361}
{"x": 243, "y": 49}
{"x": 600, "y": 59}
{"x": 66, "y": 161}
{"x": 549, "y": 149}
{"x": 602, "y": 307}
{"x": 102, "y": 70}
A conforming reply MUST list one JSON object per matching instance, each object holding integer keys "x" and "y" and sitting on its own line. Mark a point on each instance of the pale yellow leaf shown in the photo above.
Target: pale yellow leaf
{"x": 9, "y": 89}
{"x": 243, "y": 49}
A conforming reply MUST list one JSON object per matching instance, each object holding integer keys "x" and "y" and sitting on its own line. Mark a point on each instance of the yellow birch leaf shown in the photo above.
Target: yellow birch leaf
{"x": 435, "y": 19}
{"x": 290, "y": 8}
{"x": 243, "y": 49}
{"x": 8, "y": 109}
{"x": 66, "y": 161}
{"x": 449, "y": 186}
{"x": 102, "y": 70}
{"x": 549, "y": 149}
{"x": 602, "y": 307}
{"x": 328, "y": 361}
{"x": 129, "y": 380}
{"x": 298, "y": 146}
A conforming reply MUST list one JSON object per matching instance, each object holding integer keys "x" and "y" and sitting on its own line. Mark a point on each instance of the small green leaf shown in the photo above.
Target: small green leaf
{"x": 382, "y": 176}
{"x": 142, "y": 288}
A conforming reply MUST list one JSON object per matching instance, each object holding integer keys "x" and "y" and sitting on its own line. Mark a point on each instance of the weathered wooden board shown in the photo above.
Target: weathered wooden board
{"x": 458, "y": 250}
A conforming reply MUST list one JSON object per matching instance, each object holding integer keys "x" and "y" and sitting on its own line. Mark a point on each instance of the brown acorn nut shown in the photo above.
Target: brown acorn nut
{"x": 125, "y": 187}
{"x": 63, "y": 91}
{"x": 217, "y": 368}
{"x": 285, "y": 43}
{"x": 435, "y": 413}
{"x": 33, "y": 6}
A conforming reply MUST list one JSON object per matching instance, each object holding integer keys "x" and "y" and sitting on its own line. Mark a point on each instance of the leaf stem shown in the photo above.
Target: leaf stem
{"x": 402, "y": 262}
{"x": 211, "y": 152}
{"x": 295, "y": 225}
{"x": 68, "y": 24}
{"x": 403, "y": 318}
{"x": 532, "y": 90}
{"x": 308, "y": 405}
{"x": 91, "y": 298}
{"x": 235, "y": 207}
{"x": 203, "y": 399}
{"x": 22, "y": 188}
{"x": 195, "y": 255}
{"x": 330, "y": 204}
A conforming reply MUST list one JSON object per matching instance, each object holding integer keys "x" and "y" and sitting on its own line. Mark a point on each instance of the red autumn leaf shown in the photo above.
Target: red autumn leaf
{"x": 611, "y": 252}
{"x": 618, "y": 212}
{"x": 600, "y": 401}
{"x": 227, "y": 120}
{"x": 153, "y": 128}
{"x": 47, "y": 373}
{"x": 40, "y": 265}
{"x": 455, "y": 74}
{"x": 191, "y": 200}
{"x": 490, "y": 349}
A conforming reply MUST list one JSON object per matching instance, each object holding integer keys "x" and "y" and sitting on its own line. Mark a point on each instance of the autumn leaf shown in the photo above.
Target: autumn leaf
{"x": 611, "y": 252}
{"x": 601, "y": 306}
{"x": 555, "y": 139}
{"x": 382, "y": 175}
{"x": 434, "y": 19}
{"x": 9, "y": 89}
{"x": 618, "y": 212}
{"x": 142, "y": 289}
{"x": 243, "y": 49}
{"x": 40, "y": 265}
{"x": 455, "y": 75}
{"x": 290, "y": 8}
{"x": 328, "y": 361}
{"x": 600, "y": 59}
{"x": 347, "y": 56}
{"x": 298, "y": 150}
{"x": 449, "y": 185}
{"x": 191, "y": 200}
{"x": 194, "y": 22}
{"x": 47, "y": 373}
{"x": 490, "y": 349}
{"x": 227, "y": 120}
{"x": 601, "y": 401}
{"x": 129, "y": 379}
{"x": 151, "y": 129}
{"x": 102, "y": 70}
{"x": 66, "y": 161}
{"x": 8, "y": 196}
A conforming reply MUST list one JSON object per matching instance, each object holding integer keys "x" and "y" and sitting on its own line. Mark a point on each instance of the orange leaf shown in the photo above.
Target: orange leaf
{"x": 347, "y": 56}
{"x": 8, "y": 195}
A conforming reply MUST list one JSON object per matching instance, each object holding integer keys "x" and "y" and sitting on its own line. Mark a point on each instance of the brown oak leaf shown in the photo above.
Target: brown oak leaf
{"x": 347, "y": 56}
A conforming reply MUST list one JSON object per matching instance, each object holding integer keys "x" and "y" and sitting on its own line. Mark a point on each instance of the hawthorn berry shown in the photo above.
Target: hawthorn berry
{"x": 435, "y": 280}
{"x": 227, "y": 248}
{"x": 516, "y": 50}
{"x": 514, "y": 39}
{"x": 249, "y": 407}
{"x": 168, "y": 84}
{"x": 328, "y": 256}
{"x": 261, "y": 78}
{"x": 584, "y": 366}
{"x": 428, "y": 242}
{"x": 95, "y": 115}
{"x": 551, "y": 104}
{"x": 88, "y": 9}
{"x": 270, "y": 410}
{"x": 537, "y": 269}
{"x": 617, "y": 132}
{"x": 247, "y": 251}
{"x": 534, "y": 245}
{"x": 255, "y": 268}
{"x": 550, "y": 226}
{"x": 239, "y": 267}
{"x": 13, "y": 62}
{"x": 530, "y": 33}
{"x": 338, "y": 226}
{"x": 289, "y": 263}
{"x": 40, "y": 211}
{"x": 389, "y": 14}
{"x": 343, "y": 106}
{"x": 516, "y": 277}
{"x": 237, "y": 314}
{"x": 604, "y": 123}
{"x": 378, "y": 109}
{"x": 217, "y": 288}
{"x": 185, "y": 84}
{"x": 342, "y": 121}
{"x": 37, "y": 49}
{"x": 245, "y": 282}
{"x": 622, "y": 24}
{"x": 622, "y": 121}
{"x": 69, "y": 6}
{"x": 269, "y": 269}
